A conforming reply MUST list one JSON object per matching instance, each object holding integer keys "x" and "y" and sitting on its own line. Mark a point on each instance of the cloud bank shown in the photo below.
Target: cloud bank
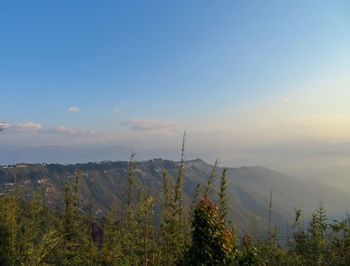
{"x": 26, "y": 127}
{"x": 63, "y": 130}
{"x": 147, "y": 125}
{"x": 3, "y": 125}
{"x": 73, "y": 109}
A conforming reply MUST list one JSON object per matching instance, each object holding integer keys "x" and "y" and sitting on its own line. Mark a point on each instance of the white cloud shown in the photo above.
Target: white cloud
{"x": 27, "y": 127}
{"x": 3, "y": 125}
{"x": 73, "y": 109}
{"x": 144, "y": 125}
{"x": 117, "y": 110}
{"x": 63, "y": 130}
{"x": 70, "y": 131}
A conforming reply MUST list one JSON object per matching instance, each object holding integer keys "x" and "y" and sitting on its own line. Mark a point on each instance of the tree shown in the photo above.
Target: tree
{"x": 317, "y": 229}
{"x": 211, "y": 240}
{"x": 130, "y": 225}
{"x": 5, "y": 245}
{"x": 249, "y": 254}
{"x": 111, "y": 249}
{"x": 223, "y": 195}
{"x": 170, "y": 248}
{"x": 339, "y": 242}
{"x": 9, "y": 219}
{"x": 211, "y": 179}
{"x": 145, "y": 210}
{"x": 75, "y": 245}
{"x": 179, "y": 207}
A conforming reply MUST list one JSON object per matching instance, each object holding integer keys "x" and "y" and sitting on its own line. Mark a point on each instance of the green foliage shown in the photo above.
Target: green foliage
{"x": 248, "y": 254}
{"x": 211, "y": 240}
{"x": 33, "y": 233}
{"x": 170, "y": 248}
{"x": 111, "y": 249}
{"x": 75, "y": 248}
{"x": 5, "y": 245}
{"x": 339, "y": 242}
{"x": 178, "y": 200}
{"x": 145, "y": 212}
{"x": 9, "y": 222}
{"x": 223, "y": 195}
{"x": 211, "y": 179}
{"x": 269, "y": 253}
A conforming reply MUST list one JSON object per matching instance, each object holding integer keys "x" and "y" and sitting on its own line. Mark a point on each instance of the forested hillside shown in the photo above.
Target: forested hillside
{"x": 248, "y": 189}
{"x": 160, "y": 213}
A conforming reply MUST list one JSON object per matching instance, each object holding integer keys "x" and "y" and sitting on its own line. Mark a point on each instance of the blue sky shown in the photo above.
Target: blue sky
{"x": 141, "y": 72}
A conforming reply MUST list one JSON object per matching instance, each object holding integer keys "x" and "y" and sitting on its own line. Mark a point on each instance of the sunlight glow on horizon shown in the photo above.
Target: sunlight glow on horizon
{"x": 253, "y": 82}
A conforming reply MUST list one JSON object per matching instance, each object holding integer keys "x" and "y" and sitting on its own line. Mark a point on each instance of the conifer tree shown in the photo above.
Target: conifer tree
{"x": 111, "y": 250}
{"x": 249, "y": 254}
{"x": 92, "y": 249}
{"x": 131, "y": 183}
{"x": 5, "y": 245}
{"x": 8, "y": 232}
{"x": 26, "y": 221}
{"x": 211, "y": 239}
{"x": 298, "y": 244}
{"x": 211, "y": 179}
{"x": 270, "y": 232}
{"x": 179, "y": 185}
{"x": 145, "y": 210}
{"x": 339, "y": 242}
{"x": 223, "y": 195}
{"x": 168, "y": 226}
{"x": 131, "y": 229}
{"x": 9, "y": 219}
{"x": 182, "y": 223}
{"x": 317, "y": 229}
{"x": 34, "y": 229}
{"x": 75, "y": 245}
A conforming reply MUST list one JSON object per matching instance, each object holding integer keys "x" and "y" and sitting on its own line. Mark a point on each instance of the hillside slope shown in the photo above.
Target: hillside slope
{"x": 248, "y": 188}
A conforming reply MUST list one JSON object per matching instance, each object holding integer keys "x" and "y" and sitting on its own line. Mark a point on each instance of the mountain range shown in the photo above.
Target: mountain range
{"x": 249, "y": 188}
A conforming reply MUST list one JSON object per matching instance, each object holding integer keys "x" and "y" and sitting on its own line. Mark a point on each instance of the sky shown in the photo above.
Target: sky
{"x": 249, "y": 81}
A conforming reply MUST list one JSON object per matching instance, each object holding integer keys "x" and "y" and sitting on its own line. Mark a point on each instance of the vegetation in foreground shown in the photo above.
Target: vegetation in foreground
{"x": 31, "y": 233}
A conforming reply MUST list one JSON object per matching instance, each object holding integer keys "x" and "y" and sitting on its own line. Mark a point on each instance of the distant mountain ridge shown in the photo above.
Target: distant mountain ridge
{"x": 248, "y": 187}
{"x": 79, "y": 154}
